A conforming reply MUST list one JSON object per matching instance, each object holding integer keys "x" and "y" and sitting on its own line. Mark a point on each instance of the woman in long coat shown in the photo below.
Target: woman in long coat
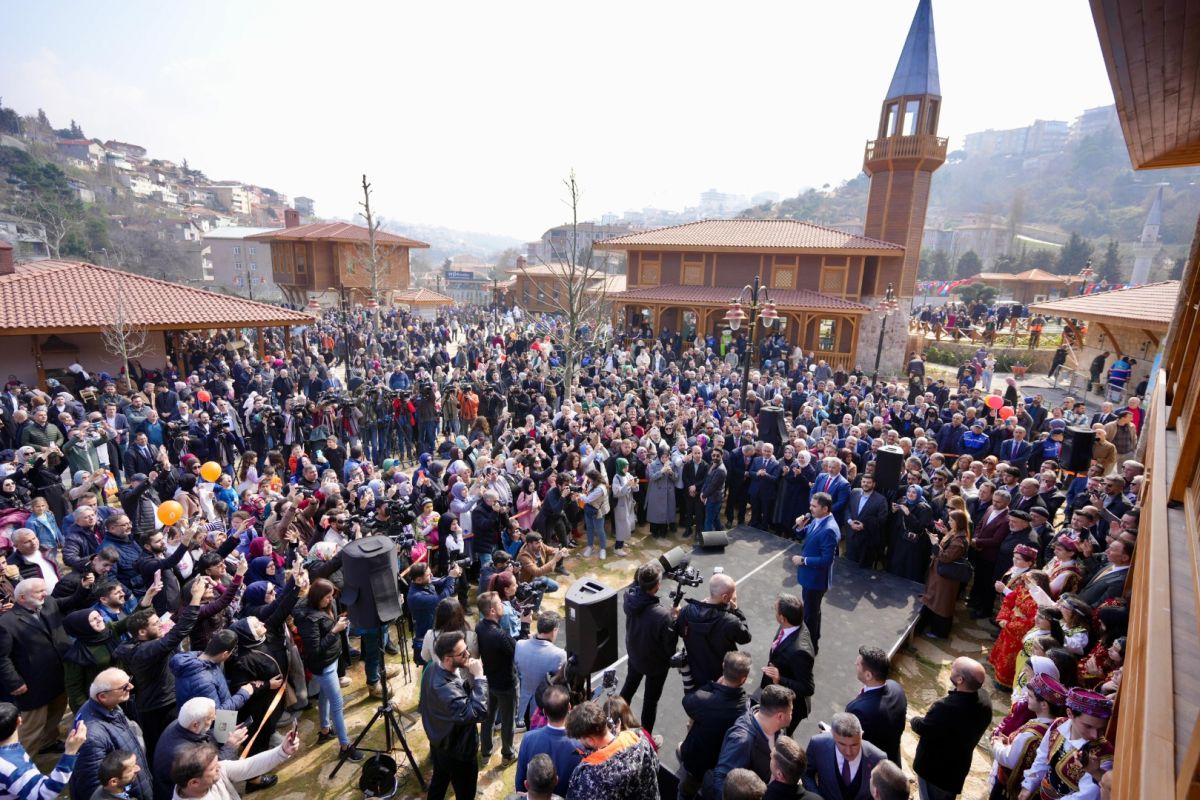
{"x": 937, "y": 612}
{"x": 624, "y": 488}
{"x": 910, "y": 537}
{"x": 798, "y": 474}
{"x": 660, "y": 497}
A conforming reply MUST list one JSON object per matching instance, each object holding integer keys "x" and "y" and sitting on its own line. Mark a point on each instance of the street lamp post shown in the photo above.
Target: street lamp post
{"x": 887, "y": 306}
{"x": 758, "y": 304}
{"x": 1085, "y": 275}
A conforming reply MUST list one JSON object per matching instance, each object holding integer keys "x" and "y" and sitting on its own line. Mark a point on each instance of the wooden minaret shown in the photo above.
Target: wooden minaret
{"x": 906, "y": 151}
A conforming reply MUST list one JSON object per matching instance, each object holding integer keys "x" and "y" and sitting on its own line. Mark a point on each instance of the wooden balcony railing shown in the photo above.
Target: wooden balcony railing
{"x": 919, "y": 146}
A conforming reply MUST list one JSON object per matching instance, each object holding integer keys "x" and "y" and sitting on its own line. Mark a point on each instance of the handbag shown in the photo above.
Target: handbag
{"x": 960, "y": 570}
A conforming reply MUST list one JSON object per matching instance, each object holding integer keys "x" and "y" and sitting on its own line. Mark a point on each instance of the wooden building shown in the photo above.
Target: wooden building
{"x": 1030, "y": 286}
{"x": 824, "y": 282}
{"x": 1151, "y": 49}
{"x": 329, "y": 261}
{"x": 542, "y": 288}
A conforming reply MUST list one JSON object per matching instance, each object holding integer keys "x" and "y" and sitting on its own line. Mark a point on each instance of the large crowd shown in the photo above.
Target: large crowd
{"x": 173, "y": 562}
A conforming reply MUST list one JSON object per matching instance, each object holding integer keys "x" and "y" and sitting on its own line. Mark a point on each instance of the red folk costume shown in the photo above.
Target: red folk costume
{"x": 1071, "y": 573}
{"x": 1018, "y": 612}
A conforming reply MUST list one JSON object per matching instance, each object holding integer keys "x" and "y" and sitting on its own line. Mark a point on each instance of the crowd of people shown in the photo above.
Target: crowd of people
{"x": 173, "y": 568}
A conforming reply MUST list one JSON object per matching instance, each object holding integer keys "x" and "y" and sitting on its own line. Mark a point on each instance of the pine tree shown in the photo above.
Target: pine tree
{"x": 1176, "y": 271}
{"x": 1110, "y": 267}
{"x": 968, "y": 265}
{"x": 1074, "y": 255}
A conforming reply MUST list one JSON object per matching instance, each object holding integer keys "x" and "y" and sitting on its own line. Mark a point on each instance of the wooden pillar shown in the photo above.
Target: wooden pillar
{"x": 177, "y": 347}
{"x": 262, "y": 344}
{"x": 853, "y": 361}
{"x": 38, "y": 363}
{"x": 287, "y": 343}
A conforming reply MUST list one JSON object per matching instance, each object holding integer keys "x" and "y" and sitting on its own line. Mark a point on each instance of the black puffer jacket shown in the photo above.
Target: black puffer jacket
{"x": 321, "y": 646}
{"x": 709, "y": 632}
{"x": 649, "y": 638}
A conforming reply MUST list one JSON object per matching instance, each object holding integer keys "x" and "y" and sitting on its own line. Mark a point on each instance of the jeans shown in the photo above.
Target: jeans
{"x": 369, "y": 647}
{"x": 330, "y": 703}
{"x": 502, "y": 704}
{"x": 654, "y": 690}
{"x": 712, "y": 514}
{"x": 545, "y": 584}
{"x": 595, "y": 527}
{"x": 428, "y": 437}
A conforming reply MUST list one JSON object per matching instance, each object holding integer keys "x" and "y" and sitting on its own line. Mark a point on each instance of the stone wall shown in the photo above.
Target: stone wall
{"x": 894, "y": 355}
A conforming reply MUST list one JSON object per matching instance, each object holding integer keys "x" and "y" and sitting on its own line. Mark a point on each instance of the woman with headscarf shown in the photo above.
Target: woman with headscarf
{"x": 624, "y": 487}
{"x": 910, "y": 536}
{"x": 528, "y": 503}
{"x": 92, "y": 651}
{"x": 791, "y": 502}
{"x": 264, "y": 568}
{"x": 660, "y": 496}
{"x": 253, "y": 660}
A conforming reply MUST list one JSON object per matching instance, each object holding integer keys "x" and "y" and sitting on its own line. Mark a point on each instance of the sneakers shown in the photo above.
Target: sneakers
{"x": 325, "y": 735}
{"x": 344, "y": 681}
{"x": 375, "y": 690}
{"x": 587, "y": 552}
{"x": 620, "y": 552}
{"x": 352, "y": 753}
{"x": 603, "y": 554}
{"x": 391, "y": 670}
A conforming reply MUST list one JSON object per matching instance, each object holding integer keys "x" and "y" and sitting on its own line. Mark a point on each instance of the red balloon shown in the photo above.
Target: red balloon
{"x": 994, "y": 401}
{"x": 203, "y": 396}
{"x": 1006, "y": 412}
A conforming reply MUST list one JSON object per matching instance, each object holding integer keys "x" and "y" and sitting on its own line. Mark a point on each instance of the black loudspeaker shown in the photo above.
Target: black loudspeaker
{"x": 889, "y": 465}
{"x": 1076, "y": 453}
{"x": 716, "y": 540}
{"x": 371, "y": 593}
{"x": 673, "y": 558}
{"x": 592, "y": 628}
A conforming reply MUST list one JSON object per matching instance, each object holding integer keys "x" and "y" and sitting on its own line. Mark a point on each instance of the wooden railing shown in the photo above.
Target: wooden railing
{"x": 919, "y": 146}
{"x": 1145, "y": 731}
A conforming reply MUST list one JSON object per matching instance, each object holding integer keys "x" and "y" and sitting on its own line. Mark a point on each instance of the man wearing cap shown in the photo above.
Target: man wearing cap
{"x": 1040, "y": 527}
{"x": 1049, "y": 448}
{"x": 1058, "y": 766}
{"x": 1013, "y": 753}
{"x": 1018, "y": 535}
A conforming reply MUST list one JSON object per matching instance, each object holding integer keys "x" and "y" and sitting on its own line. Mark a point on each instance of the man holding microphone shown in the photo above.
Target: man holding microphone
{"x": 814, "y": 566}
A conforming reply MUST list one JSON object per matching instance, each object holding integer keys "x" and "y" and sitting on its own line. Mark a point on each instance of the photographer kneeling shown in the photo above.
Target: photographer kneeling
{"x": 711, "y": 628}
{"x": 649, "y": 640}
{"x": 536, "y": 561}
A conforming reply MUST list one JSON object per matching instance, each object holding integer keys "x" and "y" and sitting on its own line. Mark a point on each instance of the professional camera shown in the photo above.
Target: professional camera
{"x": 462, "y": 563}
{"x": 528, "y": 599}
{"x": 684, "y": 575}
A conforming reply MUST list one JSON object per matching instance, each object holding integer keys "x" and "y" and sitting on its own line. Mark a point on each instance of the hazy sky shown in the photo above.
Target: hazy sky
{"x": 470, "y": 114}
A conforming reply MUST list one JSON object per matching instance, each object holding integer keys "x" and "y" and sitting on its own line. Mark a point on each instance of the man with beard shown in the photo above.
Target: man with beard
{"x": 156, "y": 560}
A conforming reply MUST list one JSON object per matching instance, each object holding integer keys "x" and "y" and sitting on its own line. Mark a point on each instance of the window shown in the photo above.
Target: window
{"x": 931, "y": 117}
{"x": 912, "y": 112}
{"x": 237, "y": 280}
{"x": 827, "y": 335}
{"x": 301, "y": 260}
{"x": 650, "y": 272}
{"x": 784, "y": 278}
{"x": 251, "y": 251}
{"x": 237, "y": 265}
{"x": 254, "y": 266}
{"x": 237, "y": 250}
{"x": 893, "y": 110}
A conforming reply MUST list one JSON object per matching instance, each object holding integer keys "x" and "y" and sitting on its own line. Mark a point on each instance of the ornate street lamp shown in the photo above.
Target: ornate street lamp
{"x": 758, "y": 302}
{"x": 887, "y": 306}
{"x": 1085, "y": 275}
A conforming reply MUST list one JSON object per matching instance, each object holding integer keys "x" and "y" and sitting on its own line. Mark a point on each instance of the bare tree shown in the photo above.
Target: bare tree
{"x": 374, "y": 268}
{"x": 122, "y": 337}
{"x": 59, "y": 219}
{"x": 579, "y": 296}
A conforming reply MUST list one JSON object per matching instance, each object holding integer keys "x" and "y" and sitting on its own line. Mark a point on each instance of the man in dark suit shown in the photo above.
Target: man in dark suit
{"x": 695, "y": 472}
{"x": 866, "y": 518}
{"x": 738, "y": 467}
{"x": 712, "y": 492}
{"x": 141, "y": 456}
{"x": 831, "y": 482}
{"x": 1016, "y": 451}
{"x": 1109, "y": 581}
{"x": 792, "y": 657}
{"x": 764, "y": 486}
{"x": 840, "y": 762}
{"x": 881, "y": 705}
{"x": 950, "y": 731}
{"x": 990, "y": 531}
{"x": 32, "y": 641}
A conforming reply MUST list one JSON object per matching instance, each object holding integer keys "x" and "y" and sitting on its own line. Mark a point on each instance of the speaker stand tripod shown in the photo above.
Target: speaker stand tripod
{"x": 391, "y": 724}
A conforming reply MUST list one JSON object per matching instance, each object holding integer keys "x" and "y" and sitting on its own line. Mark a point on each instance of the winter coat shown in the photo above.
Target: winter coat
{"x": 660, "y": 495}
{"x": 148, "y": 663}
{"x": 624, "y": 489}
{"x": 198, "y": 677}
{"x": 649, "y": 638}
{"x": 625, "y": 769}
{"x": 321, "y": 647}
{"x": 709, "y": 632}
{"x": 108, "y": 731}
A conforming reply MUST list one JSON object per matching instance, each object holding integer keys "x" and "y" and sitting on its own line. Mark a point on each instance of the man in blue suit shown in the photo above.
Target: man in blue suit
{"x": 831, "y": 482}
{"x": 814, "y": 565}
{"x": 764, "y": 484}
{"x": 840, "y": 762}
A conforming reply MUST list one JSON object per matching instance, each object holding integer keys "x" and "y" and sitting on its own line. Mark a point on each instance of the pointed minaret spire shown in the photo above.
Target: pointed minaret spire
{"x": 1147, "y": 248}
{"x": 917, "y": 70}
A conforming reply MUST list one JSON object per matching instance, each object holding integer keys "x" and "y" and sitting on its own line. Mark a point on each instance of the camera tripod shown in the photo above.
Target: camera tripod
{"x": 391, "y": 724}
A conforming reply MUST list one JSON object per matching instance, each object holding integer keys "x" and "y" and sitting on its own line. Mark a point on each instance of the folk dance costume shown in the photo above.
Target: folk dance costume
{"x": 1018, "y": 612}
{"x": 1065, "y": 576}
{"x": 1013, "y": 754}
{"x": 1059, "y": 765}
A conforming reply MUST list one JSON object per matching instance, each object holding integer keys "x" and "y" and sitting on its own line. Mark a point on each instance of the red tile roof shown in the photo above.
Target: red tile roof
{"x": 1035, "y": 274}
{"x": 750, "y": 234}
{"x": 74, "y": 295}
{"x": 784, "y": 299}
{"x": 1152, "y": 305}
{"x": 334, "y": 232}
{"x": 422, "y": 295}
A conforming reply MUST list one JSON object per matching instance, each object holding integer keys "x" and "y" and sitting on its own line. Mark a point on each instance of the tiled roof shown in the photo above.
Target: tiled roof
{"x": 1035, "y": 274}
{"x": 335, "y": 232}
{"x": 45, "y": 295}
{"x": 750, "y": 234}
{"x": 784, "y": 299}
{"x": 1151, "y": 305}
{"x": 422, "y": 295}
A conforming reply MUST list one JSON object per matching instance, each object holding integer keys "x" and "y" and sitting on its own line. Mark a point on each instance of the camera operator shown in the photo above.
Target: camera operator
{"x": 711, "y": 628}
{"x": 649, "y": 640}
{"x": 488, "y": 519}
{"x": 536, "y": 561}
{"x": 712, "y": 709}
{"x": 552, "y": 518}
{"x": 500, "y": 561}
{"x": 423, "y": 595}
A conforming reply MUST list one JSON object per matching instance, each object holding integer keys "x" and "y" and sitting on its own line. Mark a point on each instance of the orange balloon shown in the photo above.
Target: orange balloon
{"x": 170, "y": 512}
{"x": 210, "y": 471}
{"x": 203, "y": 396}
{"x": 1006, "y": 412}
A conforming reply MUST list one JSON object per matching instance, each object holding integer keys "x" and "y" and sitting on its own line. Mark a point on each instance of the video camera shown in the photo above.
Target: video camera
{"x": 677, "y": 567}
{"x": 528, "y": 599}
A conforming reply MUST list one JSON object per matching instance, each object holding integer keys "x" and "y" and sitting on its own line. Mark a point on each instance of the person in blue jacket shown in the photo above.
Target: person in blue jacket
{"x": 814, "y": 566}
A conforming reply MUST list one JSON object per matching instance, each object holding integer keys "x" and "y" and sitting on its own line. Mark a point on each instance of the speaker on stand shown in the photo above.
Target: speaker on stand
{"x": 1076, "y": 455}
{"x": 889, "y": 466}
{"x": 592, "y": 625}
